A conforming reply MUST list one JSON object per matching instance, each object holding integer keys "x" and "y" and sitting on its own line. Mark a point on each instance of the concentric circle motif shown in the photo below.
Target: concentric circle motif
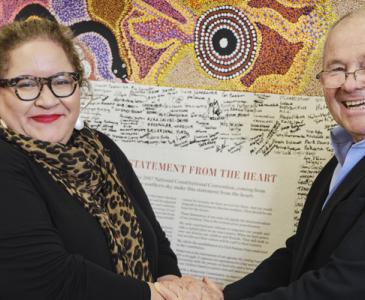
{"x": 225, "y": 42}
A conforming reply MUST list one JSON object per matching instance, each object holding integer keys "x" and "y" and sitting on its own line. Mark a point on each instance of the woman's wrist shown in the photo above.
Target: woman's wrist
{"x": 154, "y": 294}
{"x": 167, "y": 278}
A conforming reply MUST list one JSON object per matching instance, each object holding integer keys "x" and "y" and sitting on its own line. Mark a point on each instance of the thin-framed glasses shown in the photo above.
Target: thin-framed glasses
{"x": 336, "y": 79}
{"x": 28, "y": 88}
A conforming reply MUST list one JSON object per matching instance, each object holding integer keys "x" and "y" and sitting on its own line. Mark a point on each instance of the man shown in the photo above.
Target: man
{"x": 326, "y": 257}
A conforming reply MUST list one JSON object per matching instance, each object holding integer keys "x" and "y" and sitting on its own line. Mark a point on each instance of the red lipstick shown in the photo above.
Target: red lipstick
{"x": 45, "y": 118}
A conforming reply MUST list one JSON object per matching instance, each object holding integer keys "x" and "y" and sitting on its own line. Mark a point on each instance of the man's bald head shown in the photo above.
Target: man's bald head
{"x": 349, "y": 15}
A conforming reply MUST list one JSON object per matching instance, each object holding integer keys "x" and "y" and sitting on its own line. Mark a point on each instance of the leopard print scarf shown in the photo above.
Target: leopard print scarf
{"x": 84, "y": 169}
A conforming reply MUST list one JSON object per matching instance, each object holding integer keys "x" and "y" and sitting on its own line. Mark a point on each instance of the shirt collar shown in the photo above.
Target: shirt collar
{"x": 342, "y": 142}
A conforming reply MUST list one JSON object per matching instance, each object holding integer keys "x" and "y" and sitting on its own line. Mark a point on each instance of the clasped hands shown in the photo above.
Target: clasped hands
{"x": 189, "y": 288}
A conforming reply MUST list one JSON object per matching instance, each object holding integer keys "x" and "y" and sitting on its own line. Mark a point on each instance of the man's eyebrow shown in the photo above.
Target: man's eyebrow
{"x": 332, "y": 62}
{"x": 361, "y": 59}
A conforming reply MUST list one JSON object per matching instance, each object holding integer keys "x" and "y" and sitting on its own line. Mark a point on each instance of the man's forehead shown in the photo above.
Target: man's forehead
{"x": 352, "y": 16}
{"x": 354, "y": 23}
{"x": 346, "y": 40}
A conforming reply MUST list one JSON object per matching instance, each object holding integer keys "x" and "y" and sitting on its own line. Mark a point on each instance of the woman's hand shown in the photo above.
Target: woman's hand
{"x": 155, "y": 295}
{"x": 189, "y": 288}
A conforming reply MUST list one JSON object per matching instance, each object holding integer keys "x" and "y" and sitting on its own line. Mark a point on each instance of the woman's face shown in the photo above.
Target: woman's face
{"x": 47, "y": 118}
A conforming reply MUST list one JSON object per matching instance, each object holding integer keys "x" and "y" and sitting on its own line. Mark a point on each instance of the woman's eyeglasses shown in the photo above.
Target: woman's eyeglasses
{"x": 29, "y": 88}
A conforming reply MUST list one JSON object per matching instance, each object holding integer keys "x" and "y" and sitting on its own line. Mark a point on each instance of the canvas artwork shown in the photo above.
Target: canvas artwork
{"x": 264, "y": 46}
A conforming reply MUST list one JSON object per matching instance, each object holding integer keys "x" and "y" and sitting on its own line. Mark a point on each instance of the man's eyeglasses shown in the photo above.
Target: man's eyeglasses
{"x": 29, "y": 88}
{"x": 336, "y": 79}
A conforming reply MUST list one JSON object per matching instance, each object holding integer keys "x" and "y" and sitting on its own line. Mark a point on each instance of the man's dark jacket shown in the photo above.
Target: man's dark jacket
{"x": 325, "y": 259}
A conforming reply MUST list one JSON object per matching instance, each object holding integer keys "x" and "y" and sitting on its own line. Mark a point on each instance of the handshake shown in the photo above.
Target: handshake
{"x": 187, "y": 288}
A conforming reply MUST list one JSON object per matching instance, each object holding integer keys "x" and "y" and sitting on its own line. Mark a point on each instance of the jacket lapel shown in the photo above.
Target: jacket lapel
{"x": 315, "y": 200}
{"x": 343, "y": 190}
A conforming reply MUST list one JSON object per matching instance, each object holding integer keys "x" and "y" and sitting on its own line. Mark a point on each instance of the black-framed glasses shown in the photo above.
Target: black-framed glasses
{"x": 336, "y": 79}
{"x": 29, "y": 88}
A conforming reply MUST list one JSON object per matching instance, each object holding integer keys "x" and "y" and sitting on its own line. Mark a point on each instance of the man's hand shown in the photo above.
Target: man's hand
{"x": 189, "y": 288}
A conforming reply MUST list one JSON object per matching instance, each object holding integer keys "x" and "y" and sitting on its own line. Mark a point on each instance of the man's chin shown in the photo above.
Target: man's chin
{"x": 357, "y": 133}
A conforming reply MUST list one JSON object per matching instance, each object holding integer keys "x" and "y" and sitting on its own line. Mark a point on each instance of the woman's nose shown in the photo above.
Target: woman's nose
{"x": 46, "y": 98}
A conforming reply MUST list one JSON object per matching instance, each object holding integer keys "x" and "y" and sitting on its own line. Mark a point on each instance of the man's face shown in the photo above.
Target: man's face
{"x": 345, "y": 50}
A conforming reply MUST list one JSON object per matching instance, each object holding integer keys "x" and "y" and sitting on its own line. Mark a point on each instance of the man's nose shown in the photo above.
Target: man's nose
{"x": 351, "y": 82}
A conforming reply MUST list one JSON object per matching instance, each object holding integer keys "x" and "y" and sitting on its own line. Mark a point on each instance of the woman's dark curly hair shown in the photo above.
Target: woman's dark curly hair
{"x": 20, "y": 32}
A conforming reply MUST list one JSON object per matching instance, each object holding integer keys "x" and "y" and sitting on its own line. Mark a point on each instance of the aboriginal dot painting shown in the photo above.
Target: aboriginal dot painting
{"x": 266, "y": 46}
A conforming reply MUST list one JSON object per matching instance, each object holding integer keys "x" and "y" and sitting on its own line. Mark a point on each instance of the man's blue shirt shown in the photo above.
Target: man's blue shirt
{"x": 348, "y": 155}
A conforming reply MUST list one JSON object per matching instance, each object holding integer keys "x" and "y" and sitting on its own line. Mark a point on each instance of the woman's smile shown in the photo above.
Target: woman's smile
{"x": 48, "y": 118}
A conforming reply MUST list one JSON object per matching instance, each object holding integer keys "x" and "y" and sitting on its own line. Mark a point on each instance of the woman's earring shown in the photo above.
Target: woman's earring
{"x": 2, "y": 122}
{"x": 79, "y": 124}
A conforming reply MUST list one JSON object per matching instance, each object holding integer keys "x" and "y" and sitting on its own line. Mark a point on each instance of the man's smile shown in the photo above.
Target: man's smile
{"x": 355, "y": 104}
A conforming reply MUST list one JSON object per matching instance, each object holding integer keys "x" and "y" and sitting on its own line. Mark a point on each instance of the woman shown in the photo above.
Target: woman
{"x": 75, "y": 222}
